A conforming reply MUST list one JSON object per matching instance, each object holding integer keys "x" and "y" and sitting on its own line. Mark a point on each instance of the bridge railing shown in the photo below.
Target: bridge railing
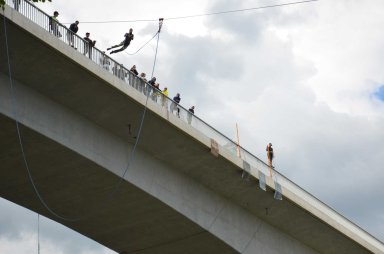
{"x": 29, "y": 10}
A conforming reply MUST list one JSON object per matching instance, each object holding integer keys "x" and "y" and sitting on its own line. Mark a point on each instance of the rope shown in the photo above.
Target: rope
{"x": 240, "y": 10}
{"x": 38, "y": 233}
{"x": 13, "y": 108}
{"x": 198, "y": 15}
{"x": 131, "y": 156}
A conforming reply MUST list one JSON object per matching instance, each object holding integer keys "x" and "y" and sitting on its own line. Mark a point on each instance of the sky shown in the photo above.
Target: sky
{"x": 307, "y": 78}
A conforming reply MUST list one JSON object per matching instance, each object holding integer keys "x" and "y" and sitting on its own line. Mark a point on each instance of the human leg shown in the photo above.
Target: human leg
{"x": 119, "y": 50}
{"x": 16, "y": 4}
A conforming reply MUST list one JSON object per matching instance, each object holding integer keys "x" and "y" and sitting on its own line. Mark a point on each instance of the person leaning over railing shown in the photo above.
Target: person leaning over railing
{"x": 73, "y": 28}
{"x": 141, "y": 85}
{"x": 150, "y": 84}
{"x": 88, "y": 45}
{"x": 164, "y": 100}
{"x": 156, "y": 92}
{"x": 132, "y": 78}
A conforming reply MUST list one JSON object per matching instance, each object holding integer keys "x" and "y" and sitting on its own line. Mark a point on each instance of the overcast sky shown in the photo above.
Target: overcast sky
{"x": 309, "y": 78}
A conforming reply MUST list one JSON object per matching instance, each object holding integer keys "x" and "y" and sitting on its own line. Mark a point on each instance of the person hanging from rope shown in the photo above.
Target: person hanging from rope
{"x": 128, "y": 38}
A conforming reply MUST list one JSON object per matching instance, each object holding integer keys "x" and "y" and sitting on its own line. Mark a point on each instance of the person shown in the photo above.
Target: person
{"x": 191, "y": 112}
{"x": 73, "y": 28}
{"x": 151, "y": 85}
{"x": 156, "y": 91}
{"x": 134, "y": 70}
{"x": 128, "y": 38}
{"x": 143, "y": 76}
{"x": 54, "y": 24}
{"x": 176, "y": 101}
{"x": 164, "y": 96}
{"x": 140, "y": 84}
{"x": 88, "y": 44}
{"x": 16, "y": 3}
{"x": 270, "y": 155}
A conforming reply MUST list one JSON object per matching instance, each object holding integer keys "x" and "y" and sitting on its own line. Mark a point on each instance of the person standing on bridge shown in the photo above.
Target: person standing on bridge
{"x": 164, "y": 98}
{"x": 150, "y": 87}
{"x": 175, "y": 103}
{"x": 128, "y": 38}
{"x": 88, "y": 45}
{"x": 270, "y": 156}
{"x": 54, "y": 24}
{"x": 16, "y": 3}
{"x": 73, "y": 28}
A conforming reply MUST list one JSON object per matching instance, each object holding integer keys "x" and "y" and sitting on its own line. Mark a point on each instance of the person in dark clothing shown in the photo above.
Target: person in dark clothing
{"x": 128, "y": 38}
{"x": 174, "y": 106}
{"x": 177, "y": 98}
{"x": 270, "y": 155}
{"x": 134, "y": 70}
{"x": 73, "y": 28}
{"x": 152, "y": 82}
{"x": 88, "y": 45}
{"x": 150, "y": 87}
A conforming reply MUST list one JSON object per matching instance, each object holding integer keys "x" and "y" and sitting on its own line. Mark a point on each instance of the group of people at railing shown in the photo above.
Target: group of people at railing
{"x": 150, "y": 88}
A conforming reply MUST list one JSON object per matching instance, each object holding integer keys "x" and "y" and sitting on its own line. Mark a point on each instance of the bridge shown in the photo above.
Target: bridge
{"x": 86, "y": 143}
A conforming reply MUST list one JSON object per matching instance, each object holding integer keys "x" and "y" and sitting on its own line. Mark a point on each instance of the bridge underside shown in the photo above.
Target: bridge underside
{"x": 81, "y": 185}
{"x": 125, "y": 218}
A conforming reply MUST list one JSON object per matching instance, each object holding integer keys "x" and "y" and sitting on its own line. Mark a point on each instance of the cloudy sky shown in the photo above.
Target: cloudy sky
{"x": 306, "y": 77}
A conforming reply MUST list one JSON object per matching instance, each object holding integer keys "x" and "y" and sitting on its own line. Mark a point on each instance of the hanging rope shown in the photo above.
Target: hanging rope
{"x": 13, "y": 109}
{"x": 131, "y": 157}
{"x": 38, "y": 233}
{"x": 198, "y": 15}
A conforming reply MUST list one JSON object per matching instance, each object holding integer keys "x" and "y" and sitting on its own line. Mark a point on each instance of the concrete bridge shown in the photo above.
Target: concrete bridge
{"x": 72, "y": 158}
